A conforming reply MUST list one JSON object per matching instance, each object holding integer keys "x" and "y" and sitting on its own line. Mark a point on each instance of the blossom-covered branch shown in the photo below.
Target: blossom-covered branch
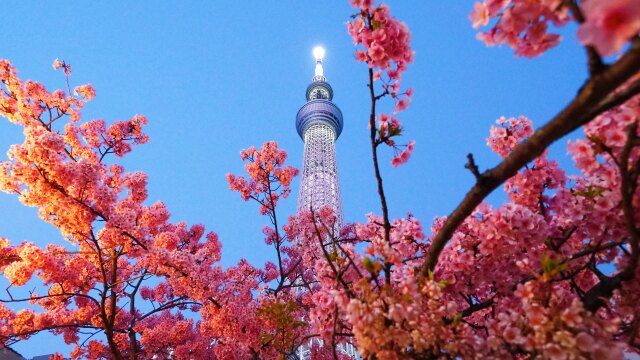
{"x": 599, "y": 90}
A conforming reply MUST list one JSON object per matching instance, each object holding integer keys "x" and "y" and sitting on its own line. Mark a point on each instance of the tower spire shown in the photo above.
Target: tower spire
{"x": 318, "y": 53}
{"x": 319, "y": 87}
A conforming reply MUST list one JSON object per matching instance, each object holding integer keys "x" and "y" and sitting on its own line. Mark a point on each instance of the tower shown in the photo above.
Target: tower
{"x": 319, "y": 124}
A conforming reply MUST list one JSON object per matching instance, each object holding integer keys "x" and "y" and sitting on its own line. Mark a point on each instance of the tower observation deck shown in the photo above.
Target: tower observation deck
{"x": 319, "y": 124}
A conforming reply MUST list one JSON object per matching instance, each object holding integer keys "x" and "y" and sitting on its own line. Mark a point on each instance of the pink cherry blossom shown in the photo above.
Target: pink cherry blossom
{"x": 522, "y": 24}
{"x": 480, "y": 15}
{"x": 609, "y": 24}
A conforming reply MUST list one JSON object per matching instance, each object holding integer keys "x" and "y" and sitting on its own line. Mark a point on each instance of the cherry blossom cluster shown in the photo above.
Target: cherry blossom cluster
{"x": 387, "y": 51}
{"x": 509, "y": 133}
{"x": 606, "y": 135}
{"x": 547, "y": 319}
{"x": 269, "y": 179}
{"x": 389, "y": 127}
{"x": 521, "y": 24}
{"x": 555, "y": 234}
{"x": 524, "y": 25}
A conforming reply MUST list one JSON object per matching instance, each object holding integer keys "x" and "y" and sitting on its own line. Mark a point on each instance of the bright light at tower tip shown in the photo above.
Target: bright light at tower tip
{"x": 318, "y": 52}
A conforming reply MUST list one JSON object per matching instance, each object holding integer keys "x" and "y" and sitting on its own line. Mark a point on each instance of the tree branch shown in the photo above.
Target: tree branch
{"x": 598, "y": 90}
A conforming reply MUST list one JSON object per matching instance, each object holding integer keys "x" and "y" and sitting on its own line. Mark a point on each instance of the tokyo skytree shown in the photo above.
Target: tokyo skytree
{"x": 319, "y": 124}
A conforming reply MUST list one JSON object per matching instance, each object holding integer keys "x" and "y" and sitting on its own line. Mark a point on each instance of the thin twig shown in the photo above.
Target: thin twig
{"x": 471, "y": 165}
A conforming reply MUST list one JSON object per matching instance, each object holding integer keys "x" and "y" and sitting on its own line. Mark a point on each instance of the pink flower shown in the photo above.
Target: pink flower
{"x": 584, "y": 342}
{"x": 404, "y": 156}
{"x": 61, "y": 64}
{"x": 394, "y": 74}
{"x": 376, "y": 52}
{"x": 87, "y": 91}
{"x": 615, "y": 137}
{"x": 555, "y": 352}
{"x": 604, "y": 203}
{"x": 609, "y": 24}
{"x": 410, "y": 145}
{"x": 512, "y": 335}
{"x": 57, "y": 64}
{"x": 395, "y": 88}
{"x": 361, "y": 56}
{"x": 409, "y": 93}
{"x": 146, "y": 292}
{"x": 536, "y": 316}
{"x": 524, "y": 291}
{"x": 401, "y": 105}
{"x": 362, "y": 4}
{"x": 488, "y": 38}
{"x": 496, "y": 5}
{"x": 479, "y": 16}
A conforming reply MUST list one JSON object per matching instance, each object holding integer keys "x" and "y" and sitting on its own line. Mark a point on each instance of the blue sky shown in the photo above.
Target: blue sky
{"x": 216, "y": 77}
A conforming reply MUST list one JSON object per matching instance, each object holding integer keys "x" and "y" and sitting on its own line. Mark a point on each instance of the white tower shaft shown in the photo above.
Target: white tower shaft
{"x": 319, "y": 186}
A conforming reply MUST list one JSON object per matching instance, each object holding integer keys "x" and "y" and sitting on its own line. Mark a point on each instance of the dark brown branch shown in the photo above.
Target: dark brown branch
{"x": 376, "y": 167}
{"x": 598, "y": 90}
{"x": 133, "y": 343}
{"x": 134, "y": 240}
{"x": 595, "y": 298}
{"x": 169, "y": 305}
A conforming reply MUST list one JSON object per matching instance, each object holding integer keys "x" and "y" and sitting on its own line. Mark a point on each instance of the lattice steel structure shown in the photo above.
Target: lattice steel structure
{"x": 319, "y": 124}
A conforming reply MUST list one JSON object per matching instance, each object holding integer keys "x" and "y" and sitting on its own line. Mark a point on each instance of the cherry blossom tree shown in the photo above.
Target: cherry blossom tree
{"x": 552, "y": 273}
{"x": 124, "y": 253}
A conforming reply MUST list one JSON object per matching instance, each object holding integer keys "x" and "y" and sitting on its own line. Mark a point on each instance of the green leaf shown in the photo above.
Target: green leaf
{"x": 552, "y": 267}
{"x": 590, "y": 193}
{"x": 456, "y": 319}
{"x": 371, "y": 266}
{"x": 265, "y": 338}
{"x": 332, "y": 256}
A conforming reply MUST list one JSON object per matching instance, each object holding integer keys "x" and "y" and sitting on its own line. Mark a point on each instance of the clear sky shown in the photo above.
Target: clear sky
{"x": 215, "y": 77}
